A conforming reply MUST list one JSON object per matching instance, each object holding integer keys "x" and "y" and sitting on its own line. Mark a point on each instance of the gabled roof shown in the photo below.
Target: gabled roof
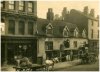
{"x": 41, "y": 26}
{"x": 58, "y": 27}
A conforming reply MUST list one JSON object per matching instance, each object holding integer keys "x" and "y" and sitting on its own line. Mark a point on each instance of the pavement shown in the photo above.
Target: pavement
{"x": 56, "y": 66}
{"x": 7, "y": 68}
{"x": 66, "y": 64}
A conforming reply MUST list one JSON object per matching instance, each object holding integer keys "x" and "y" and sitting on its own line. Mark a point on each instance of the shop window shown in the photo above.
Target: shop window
{"x": 11, "y": 27}
{"x": 21, "y": 27}
{"x": 21, "y": 5}
{"x": 11, "y": 5}
{"x": 49, "y": 45}
{"x": 30, "y": 28}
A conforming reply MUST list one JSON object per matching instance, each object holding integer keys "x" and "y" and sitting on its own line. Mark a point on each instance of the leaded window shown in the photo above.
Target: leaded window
{"x": 11, "y": 5}
{"x": 30, "y": 7}
{"x": 21, "y": 5}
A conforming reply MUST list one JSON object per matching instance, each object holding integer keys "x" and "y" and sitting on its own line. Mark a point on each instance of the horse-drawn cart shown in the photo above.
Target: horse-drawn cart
{"x": 88, "y": 58}
{"x": 25, "y": 64}
{"x": 92, "y": 58}
{"x": 34, "y": 67}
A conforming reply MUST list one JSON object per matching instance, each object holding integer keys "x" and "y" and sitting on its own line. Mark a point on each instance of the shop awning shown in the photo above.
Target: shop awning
{"x": 71, "y": 49}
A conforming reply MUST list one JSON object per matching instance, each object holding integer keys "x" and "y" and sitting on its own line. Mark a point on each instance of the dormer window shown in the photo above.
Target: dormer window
{"x": 76, "y": 32}
{"x": 65, "y": 32}
{"x": 84, "y": 33}
{"x": 49, "y": 30}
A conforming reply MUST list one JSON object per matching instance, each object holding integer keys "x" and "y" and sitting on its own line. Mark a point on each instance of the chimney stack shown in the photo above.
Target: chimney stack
{"x": 92, "y": 12}
{"x": 64, "y": 12}
{"x": 50, "y": 14}
{"x": 57, "y": 17}
{"x": 85, "y": 10}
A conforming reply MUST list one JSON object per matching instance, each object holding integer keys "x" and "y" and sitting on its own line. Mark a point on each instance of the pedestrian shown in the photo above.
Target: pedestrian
{"x": 71, "y": 55}
{"x": 80, "y": 54}
{"x": 67, "y": 58}
{"x": 17, "y": 59}
{"x": 86, "y": 54}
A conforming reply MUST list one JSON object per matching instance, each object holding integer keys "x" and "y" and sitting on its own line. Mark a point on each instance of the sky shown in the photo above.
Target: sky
{"x": 57, "y": 6}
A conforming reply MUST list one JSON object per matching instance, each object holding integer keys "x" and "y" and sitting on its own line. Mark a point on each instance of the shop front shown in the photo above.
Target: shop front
{"x": 15, "y": 46}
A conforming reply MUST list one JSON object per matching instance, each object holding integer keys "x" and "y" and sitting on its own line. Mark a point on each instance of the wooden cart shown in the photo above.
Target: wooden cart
{"x": 34, "y": 67}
